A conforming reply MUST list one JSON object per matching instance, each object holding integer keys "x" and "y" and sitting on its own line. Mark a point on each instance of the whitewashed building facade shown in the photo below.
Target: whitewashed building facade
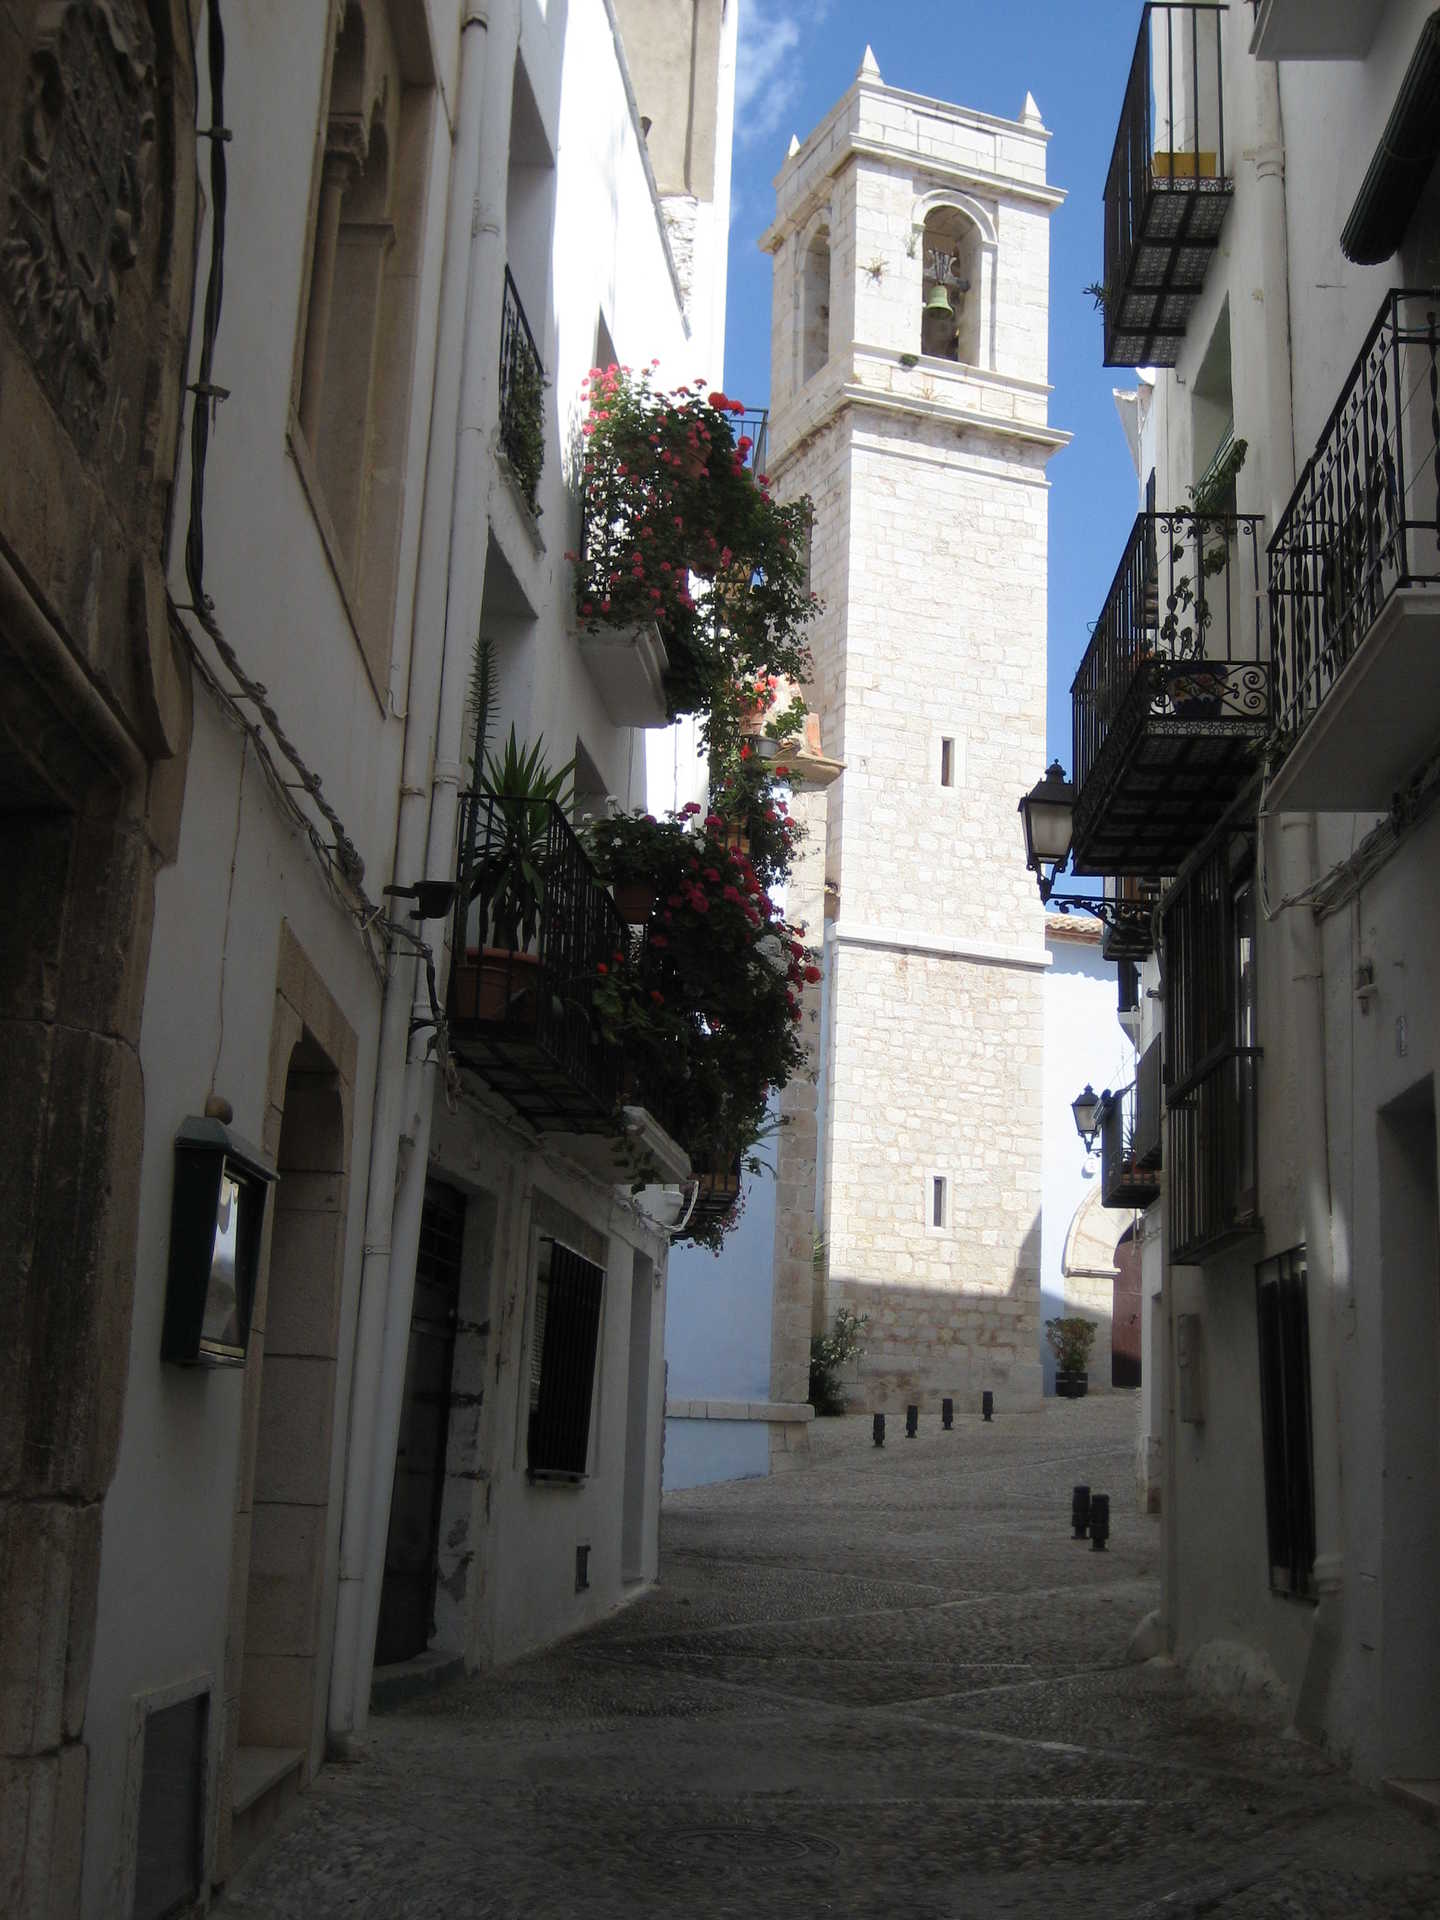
{"x": 1257, "y": 725}
{"x": 391, "y": 206}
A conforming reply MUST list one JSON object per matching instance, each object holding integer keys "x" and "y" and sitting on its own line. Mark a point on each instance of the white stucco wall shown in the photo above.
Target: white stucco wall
{"x": 1337, "y": 1092}
{"x": 1083, "y": 1045}
{"x": 167, "y": 1563}
{"x": 717, "y": 1345}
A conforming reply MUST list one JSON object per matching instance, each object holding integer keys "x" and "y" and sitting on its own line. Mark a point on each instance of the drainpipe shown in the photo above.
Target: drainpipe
{"x": 1303, "y": 1019}
{"x": 451, "y": 588}
{"x": 384, "y": 1253}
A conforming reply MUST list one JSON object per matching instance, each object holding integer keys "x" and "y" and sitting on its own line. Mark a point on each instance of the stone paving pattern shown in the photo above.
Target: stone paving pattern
{"x": 890, "y": 1685}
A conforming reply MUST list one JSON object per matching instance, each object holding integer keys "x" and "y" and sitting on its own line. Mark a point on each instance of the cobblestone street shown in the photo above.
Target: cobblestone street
{"x": 890, "y": 1685}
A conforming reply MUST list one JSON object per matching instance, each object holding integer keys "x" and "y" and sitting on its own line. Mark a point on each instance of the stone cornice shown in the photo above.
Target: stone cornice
{"x": 1001, "y": 186}
{"x": 851, "y": 395}
{"x": 946, "y": 946}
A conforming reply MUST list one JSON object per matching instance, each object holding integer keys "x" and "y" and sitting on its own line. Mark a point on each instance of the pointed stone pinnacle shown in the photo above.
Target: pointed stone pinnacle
{"x": 869, "y": 66}
{"x": 794, "y": 146}
{"x": 1030, "y": 113}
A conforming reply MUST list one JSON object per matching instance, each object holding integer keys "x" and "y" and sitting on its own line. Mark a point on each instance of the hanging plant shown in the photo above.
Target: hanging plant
{"x": 706, "y": 1005}
{"x": 679, "y": 529}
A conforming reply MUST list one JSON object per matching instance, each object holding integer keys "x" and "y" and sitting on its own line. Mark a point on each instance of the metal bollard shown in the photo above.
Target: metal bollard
{"x": 947, "y": 1414}
{"x": 877, "y": 1429}
{"x": 1099, "y": 1521}
{"x": 912, "y": 1422}
{"x": 1080, "y": 1511}
{"x": 987, "y": 1403}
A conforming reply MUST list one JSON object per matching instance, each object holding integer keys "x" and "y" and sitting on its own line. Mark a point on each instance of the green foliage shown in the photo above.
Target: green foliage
{"x": 510, "y": 873}
{"x": 1071, "y": 1339}
{"x": 680, "y": 530}
{"x": 706, "y": 1005}
{"x": 829, "y": 1352}
{"x": 522, "y": 427}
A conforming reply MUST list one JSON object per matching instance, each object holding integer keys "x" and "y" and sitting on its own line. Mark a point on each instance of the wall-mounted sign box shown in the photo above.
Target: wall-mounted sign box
{"x": 217, "y": 1220}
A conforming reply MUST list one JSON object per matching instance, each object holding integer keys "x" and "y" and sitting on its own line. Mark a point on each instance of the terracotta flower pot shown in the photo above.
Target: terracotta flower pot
{"x": 634, "y": 901}
{"x": 494, "y": 987}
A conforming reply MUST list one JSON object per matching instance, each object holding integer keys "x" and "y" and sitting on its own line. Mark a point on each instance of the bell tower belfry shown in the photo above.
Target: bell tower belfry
{"x": 909, "y": 399}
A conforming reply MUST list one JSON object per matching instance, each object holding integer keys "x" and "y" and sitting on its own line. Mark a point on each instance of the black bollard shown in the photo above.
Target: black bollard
{"x": 912, "y": 1422}
{"x": 987, "y": 1403}
{"x": 1099, "y": 1521}
{"x": 947, "y": 1414}
{"x": 1080, "y": 1511}
{"x": 878, "y": 1429}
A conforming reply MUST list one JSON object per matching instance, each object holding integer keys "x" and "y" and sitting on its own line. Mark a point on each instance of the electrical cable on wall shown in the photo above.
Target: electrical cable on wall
{"x": 340, "y": 864}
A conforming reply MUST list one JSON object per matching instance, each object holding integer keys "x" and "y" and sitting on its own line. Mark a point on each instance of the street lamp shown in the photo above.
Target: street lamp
{"x": 1048, "y": 811}
{"x": 1088, "y": 1108}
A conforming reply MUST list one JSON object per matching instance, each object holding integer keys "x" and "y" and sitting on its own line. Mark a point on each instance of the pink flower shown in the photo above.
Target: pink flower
{"x": 604, "y": 606}
{"x": 812, "y": 974}
{"x": 587, "y": 609}
{"x": 781, "y": 772}
{"x": 700, "y": 903}
{"x": 600, "y": 967}
{"x": 711, "y": 874}
{"x": 657, "y": 996}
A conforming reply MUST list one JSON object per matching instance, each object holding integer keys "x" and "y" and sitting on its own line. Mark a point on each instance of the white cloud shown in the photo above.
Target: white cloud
{"x": 768, "y": 67}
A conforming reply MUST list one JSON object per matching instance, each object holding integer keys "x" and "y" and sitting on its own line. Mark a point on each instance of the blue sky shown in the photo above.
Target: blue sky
{"x": 798, "y": 56}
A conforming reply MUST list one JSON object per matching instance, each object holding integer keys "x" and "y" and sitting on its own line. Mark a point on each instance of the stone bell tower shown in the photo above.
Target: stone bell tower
{"x": 909, "y": 400}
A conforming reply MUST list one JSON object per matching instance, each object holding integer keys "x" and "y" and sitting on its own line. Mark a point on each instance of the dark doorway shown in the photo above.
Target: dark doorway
{"x": 407, "y": 1598}
{"x": 1125, "y": 1314}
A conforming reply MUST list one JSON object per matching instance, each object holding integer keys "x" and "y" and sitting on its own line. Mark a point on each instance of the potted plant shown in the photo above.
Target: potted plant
{"x": 829, "y": 1352}
{"x": 1071, "y": 1339}
{"x": 504, "y": 873}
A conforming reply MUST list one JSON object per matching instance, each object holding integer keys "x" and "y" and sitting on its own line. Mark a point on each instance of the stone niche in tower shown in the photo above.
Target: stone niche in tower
{"x": 956, "y": 274}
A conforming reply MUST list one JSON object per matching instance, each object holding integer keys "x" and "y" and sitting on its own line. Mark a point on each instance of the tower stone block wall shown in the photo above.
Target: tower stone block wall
{"x": 928, "y": 478}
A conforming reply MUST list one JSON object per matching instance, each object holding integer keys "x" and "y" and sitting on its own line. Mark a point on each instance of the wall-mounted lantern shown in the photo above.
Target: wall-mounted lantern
{"x": 1089, "y": 1111}
{"x": 1048, "y": 811}
{"x": 217, "y": 1219}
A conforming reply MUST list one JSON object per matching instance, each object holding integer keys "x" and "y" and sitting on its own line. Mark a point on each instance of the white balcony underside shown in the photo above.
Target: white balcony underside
{"x": 1314, "y": 29}
{"x": 611, "y": 1158}
{"x": 1378, "y": 723}
{"x": 628, "y": 665}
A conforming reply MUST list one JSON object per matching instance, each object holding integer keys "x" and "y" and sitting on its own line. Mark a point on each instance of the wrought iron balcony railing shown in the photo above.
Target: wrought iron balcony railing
{"x": 755, "y": 427}
{"x": 522, "y": 395}
{"x": 1125, "y": 1182}
{"x": 1168, "y": 186}
{"x": 1171, "y": 701}
{"x": 1364, "y": 520}
{"x": 531, "y": 922}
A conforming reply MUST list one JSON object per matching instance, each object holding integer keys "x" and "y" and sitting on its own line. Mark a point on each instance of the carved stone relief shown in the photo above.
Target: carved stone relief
{"x": 77, "y": 196}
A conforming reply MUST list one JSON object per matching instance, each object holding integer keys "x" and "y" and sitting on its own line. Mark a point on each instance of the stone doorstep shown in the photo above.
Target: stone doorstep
{"x": 257, "y": 1770}
{"x": 772, "y": 1410}
{"x": 1420, "y": 1796}
{"x": 393, "y": 1686}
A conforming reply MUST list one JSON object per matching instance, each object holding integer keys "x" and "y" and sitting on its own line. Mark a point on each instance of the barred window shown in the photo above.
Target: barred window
{"x": 1212, "y": 1055}
{"x": 564, "y": 1338}
{"x": 1282, "y": 1312}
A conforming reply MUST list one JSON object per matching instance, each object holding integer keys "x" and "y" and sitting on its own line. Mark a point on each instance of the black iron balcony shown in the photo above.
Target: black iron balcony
{"x": 1168, "y": 187}
{"x": 1126, "y": 1180}
{"x": 1355, "y": 579}
{"x": 522, "y": 396}
{"x": 1131, "y": 935}
{"x": 1171, "y": 702}
{"x": 531, "y": 924}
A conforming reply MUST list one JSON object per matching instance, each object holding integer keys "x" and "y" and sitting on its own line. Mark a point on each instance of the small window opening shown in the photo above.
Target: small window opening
{"x": 938, "y": 1198}
{"x": 947, "y": 763}
{"x": 582, "y": 1568}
